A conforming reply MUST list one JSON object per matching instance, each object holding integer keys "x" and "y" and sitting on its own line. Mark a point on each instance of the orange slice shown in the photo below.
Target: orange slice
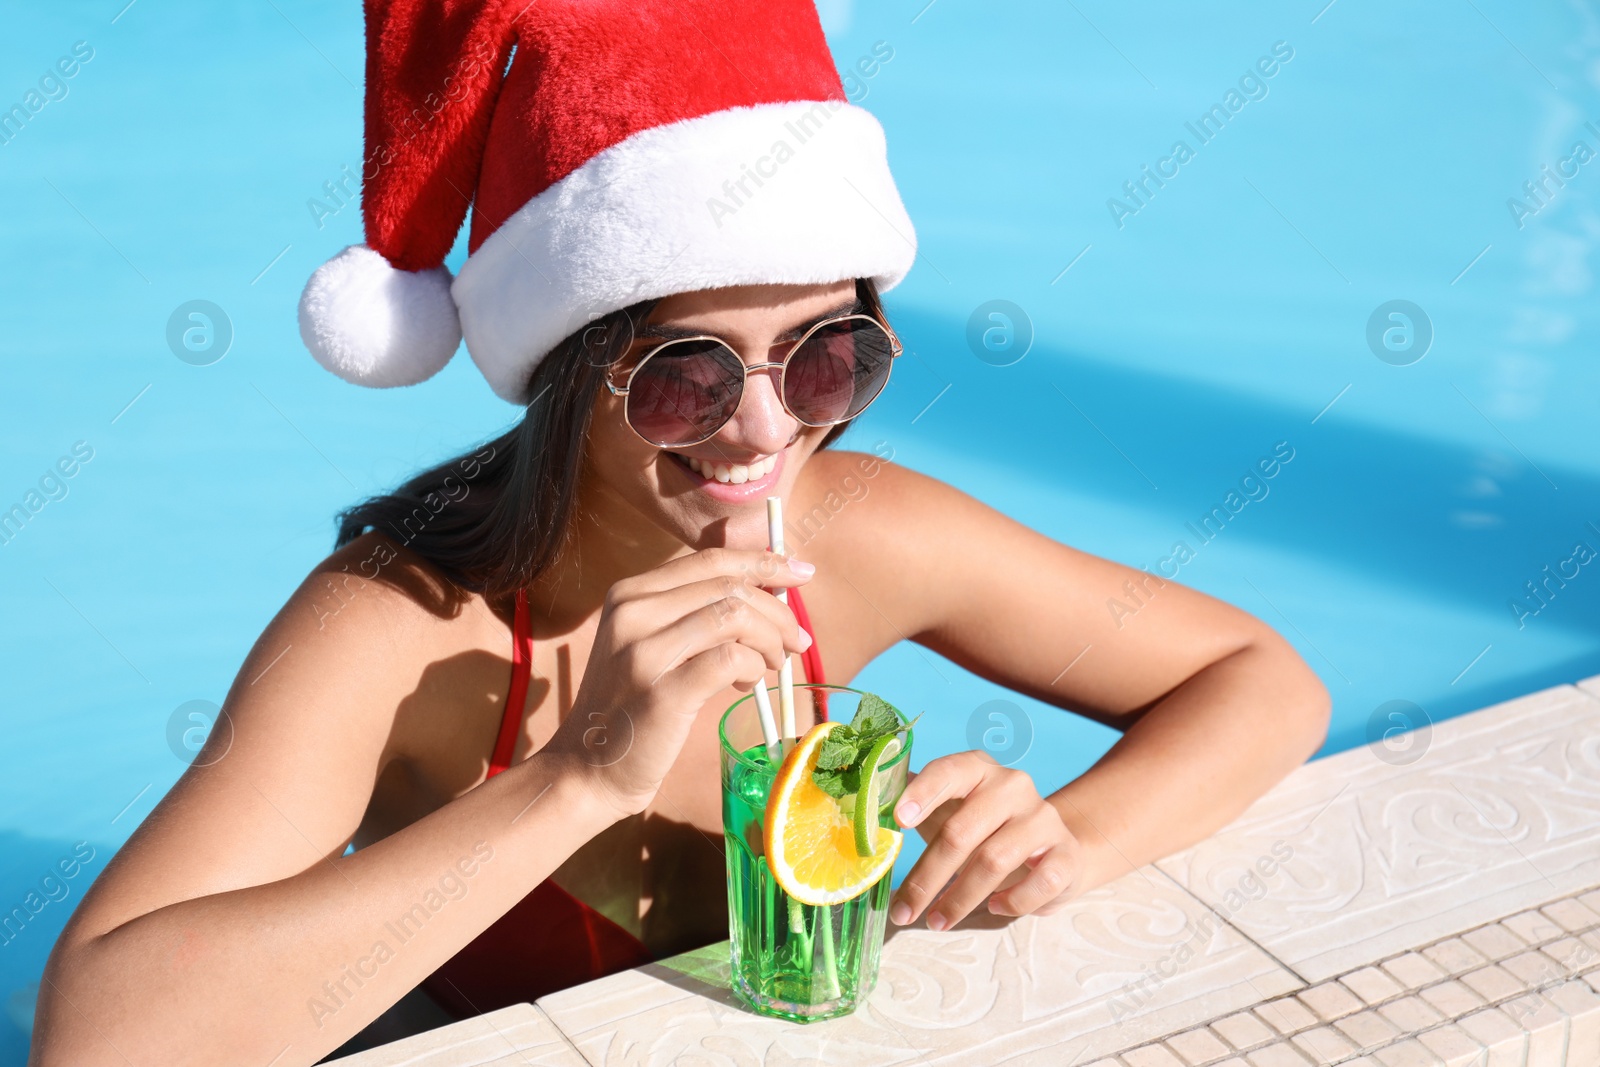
{"x": 810, "y": 841}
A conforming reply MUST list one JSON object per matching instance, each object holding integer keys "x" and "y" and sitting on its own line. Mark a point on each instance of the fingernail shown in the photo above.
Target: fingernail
{"x": 900, "y": 914}
{"x": 805, "y": 639}
{"x": 935, "y": 921}
{"x": 803, "y": 570}
{"x": 907, "y": 815}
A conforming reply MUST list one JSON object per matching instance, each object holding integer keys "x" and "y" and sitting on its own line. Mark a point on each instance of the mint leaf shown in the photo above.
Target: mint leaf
{"x": 838, "y": 769}
{"x": 874, "y": 718}
{"x": 839, "y": 749}
{"x": 831, "y": 783}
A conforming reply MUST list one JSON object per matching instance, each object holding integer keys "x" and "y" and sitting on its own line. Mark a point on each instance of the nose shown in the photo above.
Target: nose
{"x": 760, "y": 424}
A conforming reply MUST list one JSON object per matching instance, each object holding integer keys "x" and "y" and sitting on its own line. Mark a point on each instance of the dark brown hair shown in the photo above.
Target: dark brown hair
{"x": 495, "y": 517}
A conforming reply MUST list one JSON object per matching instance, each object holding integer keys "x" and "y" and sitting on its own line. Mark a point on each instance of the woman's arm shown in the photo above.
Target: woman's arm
{"x": 1214, "y": 705}
{"x": 1193, "y": 762}
{"x": 230, "y": 929}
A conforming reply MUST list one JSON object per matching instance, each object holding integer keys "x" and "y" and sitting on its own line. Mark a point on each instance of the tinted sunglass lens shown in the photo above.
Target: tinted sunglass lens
{"x": 684, "y": 392}
{"x": 839, "y": 371}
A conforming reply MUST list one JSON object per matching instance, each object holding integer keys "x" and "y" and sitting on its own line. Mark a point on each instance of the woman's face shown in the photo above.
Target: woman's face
{"x": 629, "y": 481}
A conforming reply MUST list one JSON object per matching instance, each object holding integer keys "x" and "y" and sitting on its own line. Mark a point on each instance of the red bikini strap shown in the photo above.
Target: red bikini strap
{"x": 521, "y": 667}
{"x": 812, "y": 656}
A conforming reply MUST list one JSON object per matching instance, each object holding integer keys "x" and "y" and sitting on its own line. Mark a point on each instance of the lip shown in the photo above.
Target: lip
{"x": 727, "y": 492}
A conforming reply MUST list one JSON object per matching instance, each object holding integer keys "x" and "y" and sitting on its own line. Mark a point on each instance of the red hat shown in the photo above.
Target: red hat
{"x": 633, "y": 149}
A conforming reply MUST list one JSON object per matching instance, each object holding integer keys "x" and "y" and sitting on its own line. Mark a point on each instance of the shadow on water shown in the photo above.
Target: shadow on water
{"x": 1465, "y": 526}
{"x": 1349, "y": 734}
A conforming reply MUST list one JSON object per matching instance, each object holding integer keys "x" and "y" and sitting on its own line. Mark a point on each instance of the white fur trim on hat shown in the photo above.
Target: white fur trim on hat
{"x": 794, "y": 192}
{"x": 375, "y": 325}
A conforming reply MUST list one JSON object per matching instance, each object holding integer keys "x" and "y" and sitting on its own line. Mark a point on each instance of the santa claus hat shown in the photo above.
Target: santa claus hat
{"x": 633, "y": 149}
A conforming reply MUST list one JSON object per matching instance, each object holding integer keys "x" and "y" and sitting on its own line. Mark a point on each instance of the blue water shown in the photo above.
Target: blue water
{"x": 1166, "y": 355}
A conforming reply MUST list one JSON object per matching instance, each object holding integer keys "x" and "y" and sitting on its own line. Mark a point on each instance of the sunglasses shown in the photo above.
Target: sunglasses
{"x": 685, "y": 390}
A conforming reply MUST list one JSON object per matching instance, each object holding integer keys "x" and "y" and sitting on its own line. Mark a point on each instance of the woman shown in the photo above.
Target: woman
{"x": 503, "y": 686}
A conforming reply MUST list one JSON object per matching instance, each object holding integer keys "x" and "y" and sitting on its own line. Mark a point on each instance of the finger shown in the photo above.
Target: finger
{"x": 731, "y": 621}
{"x": 990, "y": 862}
{"x": 669, "y": 716}
{"x": 1040, "y": 893}
{"x": 763, "y": 566}
{"x": 933, "y": 820}
{"x": 1048, "y": 877}
{"x": 637, "y": 618}
{"x": 954, "y": 775}
{"x": 710, "y": 672}
{"x": 964, "y": 832}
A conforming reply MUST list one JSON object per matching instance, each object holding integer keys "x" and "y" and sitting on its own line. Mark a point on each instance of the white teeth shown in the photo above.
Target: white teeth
{"x": 734, "y": 473}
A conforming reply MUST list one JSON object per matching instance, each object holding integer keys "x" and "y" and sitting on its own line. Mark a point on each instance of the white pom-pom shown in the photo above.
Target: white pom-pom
{"x": 374, "y": 325}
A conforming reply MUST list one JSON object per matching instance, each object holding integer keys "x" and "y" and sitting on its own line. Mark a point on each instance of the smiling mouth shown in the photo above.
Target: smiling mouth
{"x": 727, "y": 473}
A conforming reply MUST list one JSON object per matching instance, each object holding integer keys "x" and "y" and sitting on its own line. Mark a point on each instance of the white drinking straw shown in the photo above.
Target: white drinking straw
{"x": 769, "y": 732}
{"x": 786, "y": 672}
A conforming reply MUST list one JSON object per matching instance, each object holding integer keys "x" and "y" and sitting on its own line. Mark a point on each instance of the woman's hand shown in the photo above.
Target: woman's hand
{"x": 668, "y": 641}
{"x": 999, "y": 824}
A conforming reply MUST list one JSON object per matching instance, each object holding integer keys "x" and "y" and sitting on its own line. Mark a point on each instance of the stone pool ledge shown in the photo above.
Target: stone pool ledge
{"x": 1369, "y": 912}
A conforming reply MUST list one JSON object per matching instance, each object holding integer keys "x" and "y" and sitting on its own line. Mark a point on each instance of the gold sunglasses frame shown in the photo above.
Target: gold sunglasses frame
{"x": 894, "y": 352}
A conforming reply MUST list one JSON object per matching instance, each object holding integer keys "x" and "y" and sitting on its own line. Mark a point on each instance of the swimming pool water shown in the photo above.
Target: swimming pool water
{"x": 1174, "y": 318}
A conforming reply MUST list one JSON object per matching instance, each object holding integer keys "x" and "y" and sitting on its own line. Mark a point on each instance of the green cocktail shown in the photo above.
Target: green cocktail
{"x": 793, "y": 960}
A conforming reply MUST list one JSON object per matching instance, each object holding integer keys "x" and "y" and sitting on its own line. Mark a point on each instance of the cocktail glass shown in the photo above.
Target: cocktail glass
{"x": 792, "y": 960}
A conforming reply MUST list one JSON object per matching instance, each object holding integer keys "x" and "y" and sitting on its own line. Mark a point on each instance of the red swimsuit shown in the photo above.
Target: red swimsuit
{"x": 550, "y": 939}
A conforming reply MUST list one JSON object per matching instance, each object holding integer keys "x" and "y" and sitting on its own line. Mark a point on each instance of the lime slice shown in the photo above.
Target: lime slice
{"x": 865, "y": 817}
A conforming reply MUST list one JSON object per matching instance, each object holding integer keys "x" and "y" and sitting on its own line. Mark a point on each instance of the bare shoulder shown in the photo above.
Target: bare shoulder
{"x": 302, "y": 736}
{"x": 891, "y": 531}
{"x": 923, "y": 560}
{"x": 390, "y": 624}
{"x": 829, "y": 499}
{"x": 875, "y": 505}
{"x": 389, "y": 586}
